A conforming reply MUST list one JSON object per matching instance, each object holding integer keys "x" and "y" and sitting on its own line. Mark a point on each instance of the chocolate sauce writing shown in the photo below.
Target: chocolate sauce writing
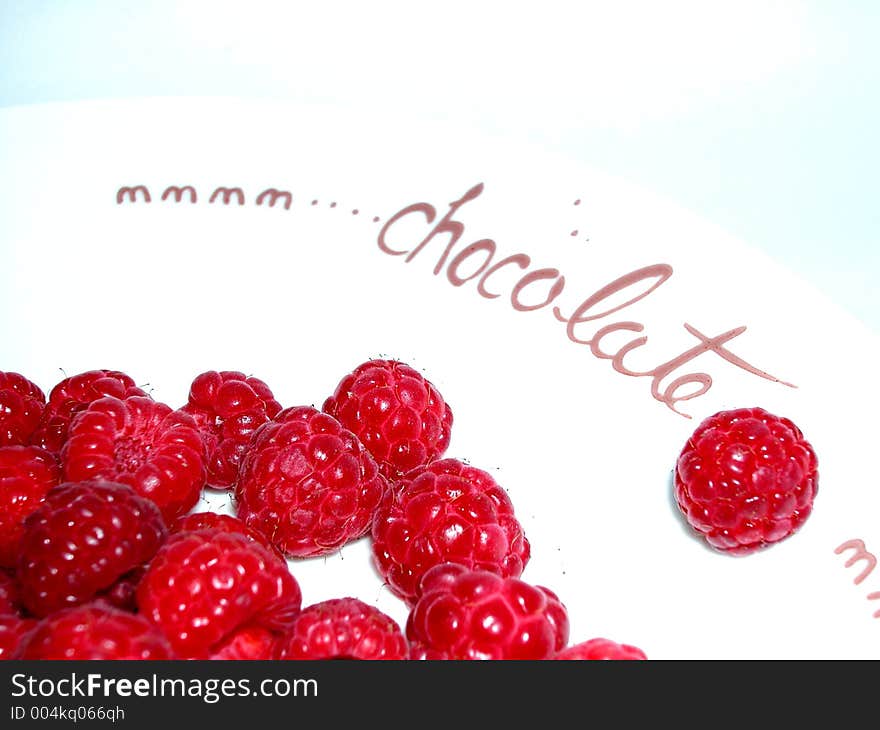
{"x": 634, "y": 285}
{"x": 869, "y": 560}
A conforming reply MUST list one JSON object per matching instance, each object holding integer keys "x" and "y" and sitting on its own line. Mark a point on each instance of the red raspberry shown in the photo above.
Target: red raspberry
{"x": 81, "y": 540}
{"x": 446, "y": 511}
{"x": 344, "y": 628}
{"x": 746, "y": 479}
{"x": 21, "y": 403}
{"x": 475, "y": 614}
{"x": 228, "y": 406}
{"x": 205, "y": 585}
{"x": 212, "y": 520}
{"x": 10, "y": 602}
{"x": 308, "y": 484}
{"x": 27, "y": 473}
{"x": 123, "y": 593}
{"x": 398, "y": 415}
{"x": 73, "y": 394}
{"x": 94, "y": 631}
{"x": 249, "y": 643}
{"x": 595, "y": 649}
{"x": 141, "y": 442}
{"x": 13, "y": 630}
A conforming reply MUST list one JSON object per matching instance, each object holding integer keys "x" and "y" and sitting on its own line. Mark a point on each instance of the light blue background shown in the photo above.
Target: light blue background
{"x": 762, "y": 117}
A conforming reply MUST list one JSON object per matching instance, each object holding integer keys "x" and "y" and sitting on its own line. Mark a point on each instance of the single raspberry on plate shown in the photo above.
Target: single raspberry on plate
{"x": 13, "y": 629}
{"x": 21, "y": 404}
{"x": 228, "y": 406}
{"x": 203, "y": 586}
{"x": 601, "y": 648}
{"x": 81, "y": 540}
{"x": 27, "y": 473}
{"x": 143, "y": 443}
{"x": 94, "y": 631}
{"x": 396, "y": 412}
{"x": 70, "y": 396}
{"x": 308, "y": 484}
{"x": 344, "y": 628}
{"x": 229, "y": 523}
{"x": 745, "y": 480}
{"x": 475, "y": 614}
{"x": 446, "y": 511}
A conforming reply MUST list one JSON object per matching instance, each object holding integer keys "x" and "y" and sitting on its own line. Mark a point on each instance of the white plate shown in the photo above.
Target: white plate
{"x": 299, "y": 294}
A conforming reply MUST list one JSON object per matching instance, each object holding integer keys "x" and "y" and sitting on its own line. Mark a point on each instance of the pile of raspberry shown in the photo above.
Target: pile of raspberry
{"x": 103, "y": 554}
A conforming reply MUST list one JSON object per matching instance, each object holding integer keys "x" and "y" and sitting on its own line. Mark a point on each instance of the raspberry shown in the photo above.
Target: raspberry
{"x": 27, "y": 473}
{"x": 123, "y": 593}
{"x": 308, "y": 484}
{"x": 595, "y": 649}
{"x": 81, "y": 540}
{"x": 228, "y": 406}
{"x": 745, "y": 480}
{"x": 205, "y": 585}
{"x": 21, "y": 404}
{"x": 475, "y": 614}
{"x": 9, "y": 593}
{"x": 344, "y": 628}
{"x": 13, "y": 630}
{"x": 73, "y": 394}
{"x": 205, "y": 520}
{"x": 399, "y": 416}
{"x": 249, "y": 643}
{"x": 140, "y": 442}
{"x": 94, "y": 631}
{"x": 446, "y": 511}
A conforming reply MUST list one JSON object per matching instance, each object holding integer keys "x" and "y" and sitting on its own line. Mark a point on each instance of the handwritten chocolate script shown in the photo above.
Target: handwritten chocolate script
{"x": 527, "y": 289}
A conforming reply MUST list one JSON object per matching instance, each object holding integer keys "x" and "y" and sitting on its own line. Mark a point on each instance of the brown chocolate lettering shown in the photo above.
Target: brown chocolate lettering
{"x": 531, "y": 278}
{"x": 273, "y": 194}
{"x": 715, "y": 346}
{"x": 875, "y": 596}
{"x": 424, "y": 208}
{"x": 520, "y": 259}
{"x": 131, "y": 192}
{"x": 707, "y": 344}
{"x": 484, "y": 244}
{"x": 226, "y": 194}
{"x": 446, "y": 224}
{"x": 660, "y": 272}
{"x": 178, "y": 191}
{"x": 860, "y": 552}
{"x": 617, "y": 357}
{"x": 634, "y": 286}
